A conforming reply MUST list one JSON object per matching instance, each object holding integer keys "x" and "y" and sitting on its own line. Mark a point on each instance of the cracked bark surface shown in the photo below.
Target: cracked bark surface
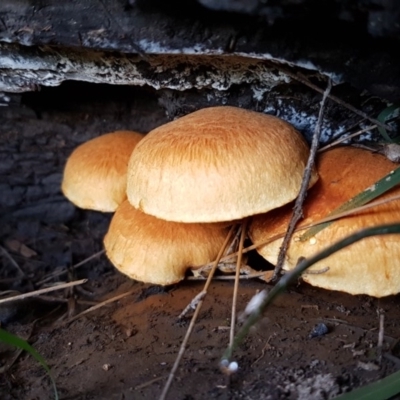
{"x": 352, "y": 43}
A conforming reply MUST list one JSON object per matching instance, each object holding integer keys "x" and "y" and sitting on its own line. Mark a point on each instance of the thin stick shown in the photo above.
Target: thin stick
{"x": 64, "y": 300}
{"x": 234, "y": 242}
{"x": 150, "y": 382}
{"x": 298, "y": 207}
{"x": 342, "y": 139}
{"x": 381, "y": 333}
{"x": 41, "y": 291}
{"x": 12, "y": 261}
{"x": 349, "y": 106}
{"x": 79, "y": 264}
{"x": 348, "y": 130}
{"x": 301, "y": 78}
{"x": 194, "y": 318}
{"x": 193, "y": 304}
{"x": 227, "y": 277}
{"x": 102, "y": 304}
{"x": 236, "y": 285}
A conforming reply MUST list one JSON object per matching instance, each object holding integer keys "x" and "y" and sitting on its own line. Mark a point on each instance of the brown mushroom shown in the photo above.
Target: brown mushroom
{"x": 95, "y": 173}
{"x": 217, "y": 164}
{"x": 369, "y": 266}
{"x": 155, "y": 251}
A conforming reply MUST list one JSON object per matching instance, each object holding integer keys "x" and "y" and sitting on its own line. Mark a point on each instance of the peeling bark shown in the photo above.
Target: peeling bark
{"x": 355, "y": 43}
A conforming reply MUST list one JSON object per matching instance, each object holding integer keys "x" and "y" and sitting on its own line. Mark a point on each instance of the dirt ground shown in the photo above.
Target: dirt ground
{"x": 125, "y": 350}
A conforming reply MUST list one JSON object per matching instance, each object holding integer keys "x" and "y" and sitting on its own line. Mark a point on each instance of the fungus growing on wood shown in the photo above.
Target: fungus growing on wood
{"x": 217, "y": 164}
{"x": 369, "y": 266}
{"x": 95, "y": 173}
{"x": 155, "y": 251}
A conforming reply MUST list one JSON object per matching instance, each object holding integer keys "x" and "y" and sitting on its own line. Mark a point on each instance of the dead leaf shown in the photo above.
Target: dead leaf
{"x": 17, "y": 247}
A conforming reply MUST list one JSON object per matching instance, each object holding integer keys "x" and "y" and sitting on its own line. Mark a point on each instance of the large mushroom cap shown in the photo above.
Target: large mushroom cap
{"x": 369, "y": 266}
{"x": 155, "y": 251}
{"x": 95, "y": 173}
{"x": 217, "y": 164}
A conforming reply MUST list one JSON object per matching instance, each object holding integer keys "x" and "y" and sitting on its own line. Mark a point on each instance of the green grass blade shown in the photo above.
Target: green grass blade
{"x": 380, "y": 390}
{"x": 13, "y": 340}
{"x": 383, "y": 185}
{"x": 383, "y": 117}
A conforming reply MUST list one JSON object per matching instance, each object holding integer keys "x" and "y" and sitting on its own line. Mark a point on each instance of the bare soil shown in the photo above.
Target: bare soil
{"x": 125, "y": 350}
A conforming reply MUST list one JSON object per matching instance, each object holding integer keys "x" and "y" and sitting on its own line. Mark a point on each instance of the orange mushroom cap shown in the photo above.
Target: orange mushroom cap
{"x": 95, "y": 173}
{"x": 369, "y": 266}
{"x": 155, "y": 251}
{"x": 217, "y": 164}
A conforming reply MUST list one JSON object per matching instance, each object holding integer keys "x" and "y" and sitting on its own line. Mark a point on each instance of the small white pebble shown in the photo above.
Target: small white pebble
{"x": 233, "y": 366}
{"x": 106, "y": 367}
{"x": 313, "y": 240}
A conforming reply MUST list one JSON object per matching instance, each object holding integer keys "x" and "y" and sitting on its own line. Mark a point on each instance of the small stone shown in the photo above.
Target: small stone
{"x": 106, "y": 367}
{"x": 318, "y": 330}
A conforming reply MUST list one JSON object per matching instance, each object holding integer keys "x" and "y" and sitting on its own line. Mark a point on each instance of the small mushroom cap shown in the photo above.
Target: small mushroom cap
{"x": 217, "y": 164}
{"x": 155, "y": 251}
{"x": 369, "y": 266}
{"x": 95, "y": 173}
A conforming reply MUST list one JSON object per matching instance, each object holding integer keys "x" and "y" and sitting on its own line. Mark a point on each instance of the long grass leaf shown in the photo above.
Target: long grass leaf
{"x": 16, "y": 341}
{"x": 381, "y": 390}
{"x": 378, "y": 188}
{"x": 383, "y": 117}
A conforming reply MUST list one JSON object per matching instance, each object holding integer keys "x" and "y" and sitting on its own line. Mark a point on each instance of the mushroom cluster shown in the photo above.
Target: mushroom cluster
{"x": 176, "y": 190}
{"x": 188, "y": 180}
{"x": 369, "y": 266}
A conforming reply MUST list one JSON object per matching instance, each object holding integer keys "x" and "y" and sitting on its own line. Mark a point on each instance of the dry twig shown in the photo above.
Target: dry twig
{"x": 193, "y": 304}
{"x": 234, "y": 242}
{"x": 298, "y": 212}
{"x": 301, "y": 78}
{"x": 12, "y": 261}
{"x": 227, "y": 277}
{"x": 42, "y": 291}
{"x": 236, "y": 286}
{"x": 79, "y": 264}
{"x": 99, "y": 305}
{"x": 150, "y": 382}
{"x": 342, "y": 139}
{"x": 381, "y": 333}
{"x": 53, "y": 299}
{"x": 194, "y": 318}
